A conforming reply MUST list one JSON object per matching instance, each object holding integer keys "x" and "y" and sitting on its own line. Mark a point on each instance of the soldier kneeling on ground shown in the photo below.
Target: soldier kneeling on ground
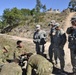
{"x": 38, "y": 63}
{"x": 11, "y": 68}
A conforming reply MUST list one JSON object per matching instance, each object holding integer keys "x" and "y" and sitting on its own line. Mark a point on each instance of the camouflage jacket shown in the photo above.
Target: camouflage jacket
{"x": 11, "y": 69}
{"x": 39, "y": 63}
{"x": 40, "y": 37}
{"x": 58, "y": 37}
{"x": 3, "y": 56}
{"x": 71, "y": 37}
{"x": 19, "y": 51}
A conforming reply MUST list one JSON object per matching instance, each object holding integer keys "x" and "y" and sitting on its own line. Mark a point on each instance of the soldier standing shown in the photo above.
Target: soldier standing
{"x": 39, "y": 38}
{"x": 59, "y": 40}
{"x": 41, "y": 64}
{"x": 71, "y": 31}
{"x": 20, "y": 49}
{"x": 52, "y": 24}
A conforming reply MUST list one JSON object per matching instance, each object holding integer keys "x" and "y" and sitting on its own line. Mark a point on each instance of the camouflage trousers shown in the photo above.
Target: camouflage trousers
{"x": 39, "y": 49}
{"x": 40, "y": 72}
{"x": 51, "y": 52}
{"x": 58, "y": 53}
{"x": 73, "y": 59}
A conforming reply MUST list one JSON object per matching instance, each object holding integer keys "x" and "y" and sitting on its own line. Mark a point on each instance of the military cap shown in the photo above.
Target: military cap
{"x": 73, "y": 18}
{"x": 52, "y": 22}
{"x": 18, "y": 42}
{"x": 37, "y": 26}
{"x": 57, "y": 24}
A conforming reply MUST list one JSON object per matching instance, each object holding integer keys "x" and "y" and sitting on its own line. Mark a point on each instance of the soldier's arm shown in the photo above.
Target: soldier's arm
{"x": 29, "y": 69}
{"x": 34, "y": 39}
{"x": 50, "y": 33}
{"x": 63, "y": 36}
{"x": 64, "y": 39}
{"x": 45, "y": 35}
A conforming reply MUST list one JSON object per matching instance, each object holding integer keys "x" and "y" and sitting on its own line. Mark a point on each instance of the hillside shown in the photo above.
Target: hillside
{"x": 28, "y": 28}
{"x": 11, "y": 40}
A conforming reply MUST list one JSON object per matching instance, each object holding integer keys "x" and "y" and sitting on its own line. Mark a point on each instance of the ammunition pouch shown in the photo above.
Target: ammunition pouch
{"x": 72, "y": 39}
{"x": 42, "y": 41}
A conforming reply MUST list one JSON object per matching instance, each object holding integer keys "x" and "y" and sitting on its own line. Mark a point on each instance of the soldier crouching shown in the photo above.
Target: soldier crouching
{"x": 41, "y": 64}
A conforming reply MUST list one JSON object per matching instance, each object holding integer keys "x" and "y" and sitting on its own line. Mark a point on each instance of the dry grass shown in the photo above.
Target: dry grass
{"x": 5, "y": 40}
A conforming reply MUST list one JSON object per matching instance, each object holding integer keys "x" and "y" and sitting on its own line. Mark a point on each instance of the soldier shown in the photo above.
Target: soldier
{"x": 59, "y": 40}
{"x": 11, "y": 69}
{"x": 20, "y": 54}
{"x": 20, "y": 50}
{"x": 52, "y": 24}
{"x": 71, "y": 31}
{"x": 5, "y": 53}
{"x": 41, "y": 65}
{"x": 39, "y": 38}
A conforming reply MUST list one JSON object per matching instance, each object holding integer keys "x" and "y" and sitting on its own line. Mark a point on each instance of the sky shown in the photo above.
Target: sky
{"x": 30, "y": 4}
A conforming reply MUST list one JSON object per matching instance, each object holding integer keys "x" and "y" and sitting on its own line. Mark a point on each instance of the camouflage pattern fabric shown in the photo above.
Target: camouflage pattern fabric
{"x": 3, "y": 56}
{"x": 39, "y": 38}
{"x": 51, "y": 45}
{"x": 41, "y": 64}
{"x": 11, "y": 69}
{"x": 19, "y": 51}
{"x": 56, "y": 47}
{"x": 72, "y": 45}
{"x": 38, "y": 35}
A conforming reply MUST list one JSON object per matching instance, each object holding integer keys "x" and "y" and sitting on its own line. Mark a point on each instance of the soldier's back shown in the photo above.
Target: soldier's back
{"x": 42, "y": 64}
{"x": 11, "y": 69}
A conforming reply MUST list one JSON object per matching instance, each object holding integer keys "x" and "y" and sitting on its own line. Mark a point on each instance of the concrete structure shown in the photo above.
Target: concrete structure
{"x": 53, "y": 11}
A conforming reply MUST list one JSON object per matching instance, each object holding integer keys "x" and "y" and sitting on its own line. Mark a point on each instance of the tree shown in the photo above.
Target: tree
{"x": 44, "y": 8}
{"x": 38, "y": 6}
{"x": 33, "y": 12}
{"x": 25, "y": 12}
{"x": 1, "y": 25}
{"x": 12, "y": 17}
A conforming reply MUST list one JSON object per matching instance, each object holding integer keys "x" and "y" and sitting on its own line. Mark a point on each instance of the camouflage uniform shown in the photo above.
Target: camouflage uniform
{"x": 19, "y": 51}
{"x": 72, "y": 45}
{"x": 11, "y": 69}
{"x": 41, "y": 64}
{"x": 58, "y": 42}
{"x": 51, "y": 45}
{"x": 39, "y": 38}
{"x": 4, "y": 55}
{"x": 52, "y": 24}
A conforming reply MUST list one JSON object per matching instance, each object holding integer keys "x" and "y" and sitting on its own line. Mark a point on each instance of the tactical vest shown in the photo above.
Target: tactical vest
{"x": 40, "y": 37}
{"x": 72, "y": 38}
{"x": 57, "y": 39}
